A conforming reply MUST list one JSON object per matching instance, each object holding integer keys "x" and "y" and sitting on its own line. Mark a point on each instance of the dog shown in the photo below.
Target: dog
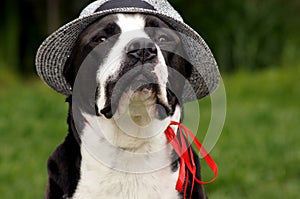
{"x": 152, "y": 94}
{"x": 127, "y": 67}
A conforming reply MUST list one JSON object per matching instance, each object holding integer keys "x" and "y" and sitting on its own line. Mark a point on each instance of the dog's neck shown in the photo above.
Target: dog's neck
{"x": 135, "y": 126}
{"x": 136, "y": 131}
{"x": 133, "y": 130}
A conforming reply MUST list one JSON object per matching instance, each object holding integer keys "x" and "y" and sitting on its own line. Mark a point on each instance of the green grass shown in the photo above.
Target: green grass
{"x": 258, "y": 152}
{"x": 32, "y": 123}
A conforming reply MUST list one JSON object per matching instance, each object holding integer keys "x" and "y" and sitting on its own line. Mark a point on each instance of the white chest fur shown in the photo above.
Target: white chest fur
{"x": 116, "y": 175}
{"x": 99, "y": 181}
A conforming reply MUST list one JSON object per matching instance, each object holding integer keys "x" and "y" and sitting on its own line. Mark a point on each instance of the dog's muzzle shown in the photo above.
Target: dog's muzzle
{"x": 142, "y": 54}
{"x": 137, "y": 76}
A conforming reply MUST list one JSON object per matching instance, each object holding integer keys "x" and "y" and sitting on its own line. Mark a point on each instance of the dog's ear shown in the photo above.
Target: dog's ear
{"x": 73, "y": 64}
{"x": 188, "y": 69}
{"x": 69, "y": 71}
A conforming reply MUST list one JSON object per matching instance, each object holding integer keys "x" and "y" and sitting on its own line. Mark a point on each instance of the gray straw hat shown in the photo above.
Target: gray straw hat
{"x": 55, "y": 50}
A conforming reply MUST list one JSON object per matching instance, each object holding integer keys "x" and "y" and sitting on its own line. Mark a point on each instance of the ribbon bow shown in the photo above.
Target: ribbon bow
{"x": 185, "y": 153}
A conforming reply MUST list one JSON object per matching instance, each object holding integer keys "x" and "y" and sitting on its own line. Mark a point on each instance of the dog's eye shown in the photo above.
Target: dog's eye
{"x": 101, "y": 39}
{"x": 163, "y": 38}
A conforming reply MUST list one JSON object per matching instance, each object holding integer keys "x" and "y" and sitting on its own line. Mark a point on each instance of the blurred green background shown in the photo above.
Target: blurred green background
{"x": 257, "y": 46}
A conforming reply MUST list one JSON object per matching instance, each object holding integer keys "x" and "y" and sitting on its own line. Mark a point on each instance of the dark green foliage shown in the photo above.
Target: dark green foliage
{"x": 247, "y": 34}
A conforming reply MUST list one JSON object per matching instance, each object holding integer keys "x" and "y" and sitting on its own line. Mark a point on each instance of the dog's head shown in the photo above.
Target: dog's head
{"x": 140, "y": 65}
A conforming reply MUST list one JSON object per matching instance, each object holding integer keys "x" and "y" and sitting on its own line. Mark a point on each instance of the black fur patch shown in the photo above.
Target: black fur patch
{"x": 87, "y": 41}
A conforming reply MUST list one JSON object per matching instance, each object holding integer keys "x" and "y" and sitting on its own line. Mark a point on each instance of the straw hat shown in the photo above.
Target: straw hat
{"x": 55, "y": 50}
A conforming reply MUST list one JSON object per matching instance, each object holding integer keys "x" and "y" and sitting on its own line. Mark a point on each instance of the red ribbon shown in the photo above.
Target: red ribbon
{"x": 185, "y": 153}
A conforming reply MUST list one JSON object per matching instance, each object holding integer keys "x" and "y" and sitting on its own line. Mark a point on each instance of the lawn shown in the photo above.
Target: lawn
{"x": 257, "y": 153}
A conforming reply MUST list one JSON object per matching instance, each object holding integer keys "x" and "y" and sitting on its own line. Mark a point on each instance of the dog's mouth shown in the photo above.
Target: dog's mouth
{"x": 141, "y": 95}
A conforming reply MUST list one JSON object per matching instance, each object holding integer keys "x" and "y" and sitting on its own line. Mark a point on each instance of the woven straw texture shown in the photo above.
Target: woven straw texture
{"x": 55, "y": 50}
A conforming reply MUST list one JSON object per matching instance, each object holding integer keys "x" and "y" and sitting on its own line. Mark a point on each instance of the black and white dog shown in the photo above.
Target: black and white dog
{"x": 145, "y": 60}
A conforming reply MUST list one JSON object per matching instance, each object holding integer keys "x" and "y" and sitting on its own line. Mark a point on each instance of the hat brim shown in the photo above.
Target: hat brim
{"x": 56, "y": 49}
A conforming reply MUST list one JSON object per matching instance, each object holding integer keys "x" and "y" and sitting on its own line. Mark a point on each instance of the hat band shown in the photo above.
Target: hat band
{"x": 125, "y": 4}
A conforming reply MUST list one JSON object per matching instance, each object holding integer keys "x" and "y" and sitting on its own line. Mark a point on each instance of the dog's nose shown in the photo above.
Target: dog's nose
{"x": 142, "y": 49}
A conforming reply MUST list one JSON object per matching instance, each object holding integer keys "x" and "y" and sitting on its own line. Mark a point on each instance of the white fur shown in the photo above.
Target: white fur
{"x": 110, "y": 172}
{"x": 99, "y": 181}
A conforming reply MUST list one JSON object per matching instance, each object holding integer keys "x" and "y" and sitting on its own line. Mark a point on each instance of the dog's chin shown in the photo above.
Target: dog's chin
{"x": 145, "y": 94}
{"x": 142, "y": 103}
{"x": 141, "y": 106}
